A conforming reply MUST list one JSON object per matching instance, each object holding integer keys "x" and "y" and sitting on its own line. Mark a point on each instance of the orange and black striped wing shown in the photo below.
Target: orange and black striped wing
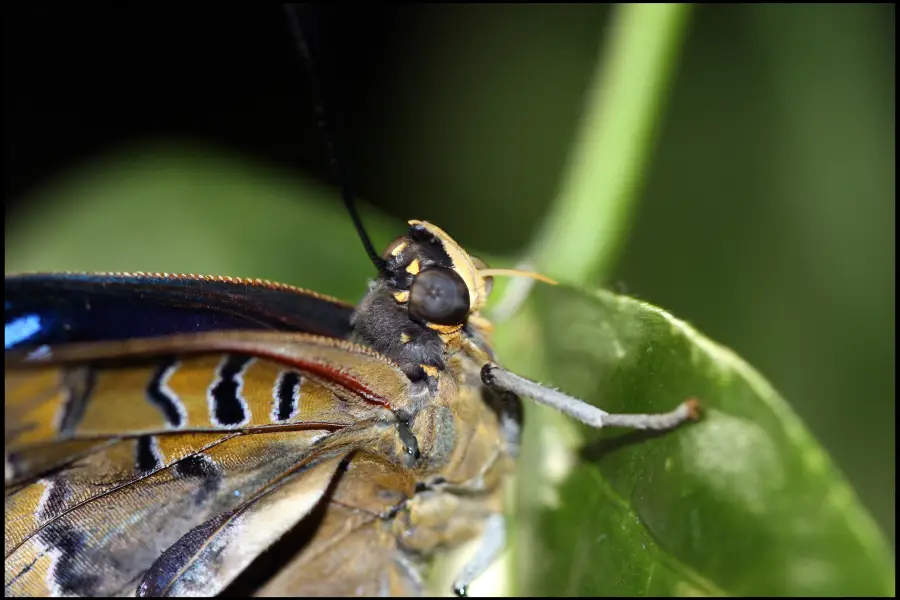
{"x": 76, "y": 397}
{"x": 119, "y": 450}
{"x": 116, "y": 451}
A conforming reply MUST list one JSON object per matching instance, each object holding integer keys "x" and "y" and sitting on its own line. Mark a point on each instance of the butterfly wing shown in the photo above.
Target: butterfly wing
{"x": 334, "y": 560}
{"x": 91, "y": 534}
{"x": 117, "y": 450}
{"x": 353, "y": 550}
{"x": 79, "y": 307}
{"x": 131, "y": 457}
{"x": 74, "y": 397}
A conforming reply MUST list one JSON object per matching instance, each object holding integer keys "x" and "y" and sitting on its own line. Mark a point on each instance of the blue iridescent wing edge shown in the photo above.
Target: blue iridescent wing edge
{"x": 49, "y": 309}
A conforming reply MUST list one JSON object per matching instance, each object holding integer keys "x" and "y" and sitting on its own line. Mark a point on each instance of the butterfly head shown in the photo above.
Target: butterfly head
{"x": 425, "y": 303}
{"x": 434, "y": 278}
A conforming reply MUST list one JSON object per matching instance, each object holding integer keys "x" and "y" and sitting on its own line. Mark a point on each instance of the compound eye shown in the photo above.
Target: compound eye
{"x": 389, "y": 251}
{"x": 439, "y": 295}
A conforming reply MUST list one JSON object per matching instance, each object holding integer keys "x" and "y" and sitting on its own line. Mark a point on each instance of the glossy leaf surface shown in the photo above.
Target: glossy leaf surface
{"x": 743, "y": 503}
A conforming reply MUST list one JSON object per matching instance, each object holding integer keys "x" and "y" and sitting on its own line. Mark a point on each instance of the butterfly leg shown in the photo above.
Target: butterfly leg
{"x": 439, "y": 518}
{"x": 501, "y": 379}
{"x": 493, "y": 541}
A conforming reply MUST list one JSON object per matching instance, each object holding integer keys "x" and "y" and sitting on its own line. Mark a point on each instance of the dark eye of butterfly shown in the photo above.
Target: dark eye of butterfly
{"x": 439, "y": 295}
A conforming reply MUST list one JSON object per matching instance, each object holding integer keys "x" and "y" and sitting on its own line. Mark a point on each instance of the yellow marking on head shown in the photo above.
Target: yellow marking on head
{"x": 462, "y": 264}
{"x": 444, "y": 329}
{"x": 404, "y": 338}
{"x": 398, "y": 249}
{"x": 401, "y": 296}
{"x": 414, "y": 267}
{"x": 429, "y": 370}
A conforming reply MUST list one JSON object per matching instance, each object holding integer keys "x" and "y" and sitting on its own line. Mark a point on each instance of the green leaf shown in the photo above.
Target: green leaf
{"x": 744, "y": 502}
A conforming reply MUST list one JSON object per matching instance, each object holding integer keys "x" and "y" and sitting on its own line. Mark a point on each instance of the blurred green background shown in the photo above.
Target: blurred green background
{"x": 765, "y": 213}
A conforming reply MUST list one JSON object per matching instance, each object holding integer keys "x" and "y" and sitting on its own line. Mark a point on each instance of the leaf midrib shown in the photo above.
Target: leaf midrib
{"x": 670, "y": 561}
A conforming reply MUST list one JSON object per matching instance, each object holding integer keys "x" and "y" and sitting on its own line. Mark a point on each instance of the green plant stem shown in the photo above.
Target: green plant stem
{"x": 587, "y": 223}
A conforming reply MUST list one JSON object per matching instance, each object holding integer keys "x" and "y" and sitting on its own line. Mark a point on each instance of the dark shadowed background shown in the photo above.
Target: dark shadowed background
{"x": 152, "y": 138}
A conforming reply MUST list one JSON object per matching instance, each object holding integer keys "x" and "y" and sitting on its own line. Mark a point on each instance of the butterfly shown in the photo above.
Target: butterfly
{"x": 171, "y": 435}
{"x": 163, "y": 431}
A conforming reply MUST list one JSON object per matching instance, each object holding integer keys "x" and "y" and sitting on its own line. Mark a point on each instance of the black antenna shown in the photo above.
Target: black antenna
{"x": 327, "y": 126}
